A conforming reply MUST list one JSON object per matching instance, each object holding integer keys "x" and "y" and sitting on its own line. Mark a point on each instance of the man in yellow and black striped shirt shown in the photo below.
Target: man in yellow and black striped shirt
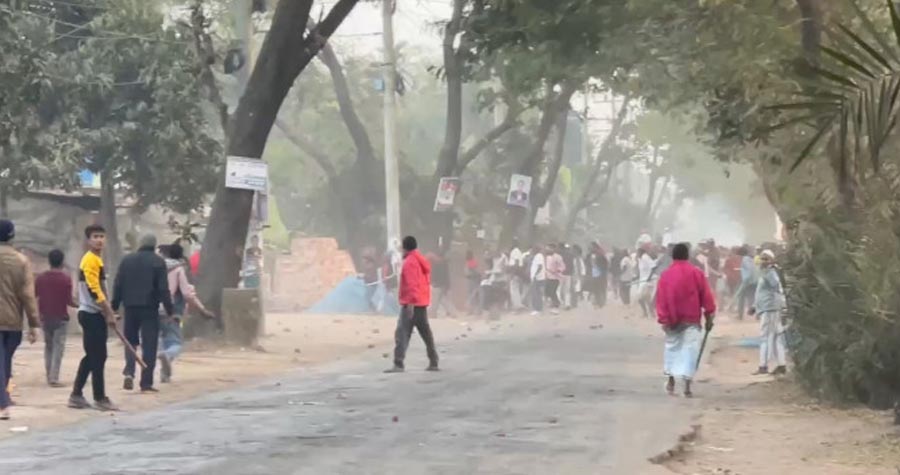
{"x": 95, "y": 317}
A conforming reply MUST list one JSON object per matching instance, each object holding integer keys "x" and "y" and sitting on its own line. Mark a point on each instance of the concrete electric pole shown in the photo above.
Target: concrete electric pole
{"x": 391, "y": 168}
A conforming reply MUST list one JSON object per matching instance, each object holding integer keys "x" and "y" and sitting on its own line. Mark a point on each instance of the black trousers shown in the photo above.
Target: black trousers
{"x": 413, "y": 317}
{"x": 94, "y": 335}
{"x": 142, "y": 329}
{"x": 551, "y": 292}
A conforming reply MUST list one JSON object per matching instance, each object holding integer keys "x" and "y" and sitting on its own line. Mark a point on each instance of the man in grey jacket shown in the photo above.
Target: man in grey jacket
{"x": 769, "y": 304}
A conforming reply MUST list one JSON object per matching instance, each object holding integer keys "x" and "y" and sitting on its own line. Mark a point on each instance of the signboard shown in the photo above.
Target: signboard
{"x": 246, "y": 174}
{"x": 446, "y": 194}
{"x": 519, "y": 191}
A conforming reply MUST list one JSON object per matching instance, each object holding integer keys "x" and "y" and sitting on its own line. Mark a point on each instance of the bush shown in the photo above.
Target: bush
{"x": 843, "y": 278}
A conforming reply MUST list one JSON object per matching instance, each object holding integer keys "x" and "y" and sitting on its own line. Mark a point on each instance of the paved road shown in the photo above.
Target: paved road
{"x": 534, "y": 398}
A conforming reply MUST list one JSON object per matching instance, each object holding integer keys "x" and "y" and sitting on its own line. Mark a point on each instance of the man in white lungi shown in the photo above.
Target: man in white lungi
{"x": 683, "y": 297}
{"x": 768, "y": 305}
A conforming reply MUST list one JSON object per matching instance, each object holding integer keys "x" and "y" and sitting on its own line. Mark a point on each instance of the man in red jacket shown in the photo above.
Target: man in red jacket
{"x": 682, "y": 298}
{"x": 415, "y": 297}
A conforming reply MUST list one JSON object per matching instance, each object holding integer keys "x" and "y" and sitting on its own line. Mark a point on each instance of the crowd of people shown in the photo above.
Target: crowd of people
{"x": 678, "y": 285}
{"x": 152, "y": 291}
{"x": 151, "y": 294}
{"x": 561, "y": 276}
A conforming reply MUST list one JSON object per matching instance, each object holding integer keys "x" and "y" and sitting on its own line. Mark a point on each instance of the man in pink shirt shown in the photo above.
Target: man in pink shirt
{"x": 682, "y": 299}
{"x": 555, "y": 268}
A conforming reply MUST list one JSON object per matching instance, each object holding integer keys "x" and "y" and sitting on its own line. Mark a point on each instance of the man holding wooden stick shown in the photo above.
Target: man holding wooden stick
{"x": 95, "y": 317}
{"x": 141, "y": 287}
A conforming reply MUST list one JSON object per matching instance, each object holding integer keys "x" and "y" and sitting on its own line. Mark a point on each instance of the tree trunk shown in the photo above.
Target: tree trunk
{"x": 449, "y": 155}
{"x": 109, "y": 221}
{"x": 540, "y": 194}
{"x": 654, "y": 210}
{"x": 530, "y": 165}
{"x": 584, "y": 201}
{"x": 285, "y": 52}
{"x": 365, "y": 153}
{"x": 605, "y": 149}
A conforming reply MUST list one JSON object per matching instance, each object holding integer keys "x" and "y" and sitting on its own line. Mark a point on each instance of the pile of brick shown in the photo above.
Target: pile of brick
{"x": 312, "y": 269}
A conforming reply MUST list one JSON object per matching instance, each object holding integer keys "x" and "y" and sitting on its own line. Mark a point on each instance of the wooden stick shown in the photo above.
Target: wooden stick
{"x": 134, "y": 352}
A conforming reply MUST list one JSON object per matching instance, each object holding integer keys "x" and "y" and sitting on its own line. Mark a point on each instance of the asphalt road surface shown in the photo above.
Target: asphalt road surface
{"x": 548, "y": 396}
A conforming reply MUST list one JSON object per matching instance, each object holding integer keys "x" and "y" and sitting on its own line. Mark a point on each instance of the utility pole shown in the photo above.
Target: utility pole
{"x": 391, "y": 168}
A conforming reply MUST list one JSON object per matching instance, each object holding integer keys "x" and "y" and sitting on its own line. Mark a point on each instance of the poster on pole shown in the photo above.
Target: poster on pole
{"x": 519, "y": 191}
{"x": 446, "y": 194}
{"x": 246, "y": 174}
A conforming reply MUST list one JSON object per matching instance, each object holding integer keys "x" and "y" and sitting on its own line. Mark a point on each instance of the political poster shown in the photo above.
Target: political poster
{"x": 446, "y": 194}
{"x": 519, "y": 191}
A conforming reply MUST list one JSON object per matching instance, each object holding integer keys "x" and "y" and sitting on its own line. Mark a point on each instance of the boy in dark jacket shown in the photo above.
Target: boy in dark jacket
{"x": 415, "y": 297}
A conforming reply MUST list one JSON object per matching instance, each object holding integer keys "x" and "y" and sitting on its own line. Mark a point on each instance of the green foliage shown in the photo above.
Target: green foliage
{"x": 134, "y": 109}
{"x": 29, "y": 144}
{"x": 843, "y": 296}
{"x": 853, "y": 100}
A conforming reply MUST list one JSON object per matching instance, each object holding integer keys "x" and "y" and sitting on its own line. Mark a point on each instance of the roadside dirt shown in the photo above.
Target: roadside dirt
{"x": 762, "y": 425}
{"x": 294, "y": 341}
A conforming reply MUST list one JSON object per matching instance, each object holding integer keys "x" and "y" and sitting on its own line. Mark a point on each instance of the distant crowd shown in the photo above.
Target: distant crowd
{"x": 562, "y": 276}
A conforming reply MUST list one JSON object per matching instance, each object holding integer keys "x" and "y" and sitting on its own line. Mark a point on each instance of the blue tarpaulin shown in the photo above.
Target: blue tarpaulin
{"x": 350, "y": 297}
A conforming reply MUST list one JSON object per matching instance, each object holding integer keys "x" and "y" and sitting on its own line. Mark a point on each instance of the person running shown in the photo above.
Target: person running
{"x": 95, "y": 316}
{"x": 566, "y": 277}
{"x": 53, "y": 290}
{"x": 682, "y": 298}
{"x": 414, "y": 297}
{"x": 182, "y": 294}
{"x": 627, "y": 276}
{"x": 745, "y": 294}
{"x": 538, "y": 273}
{"x": 578, "y": 274}
{"x": 646, "y": 281}
{"x": 518, "y": 275}
{"x": 141, "y": 286}
{"x": 599, "y": 269}
{"x": 474, "y": 278}
{"x": 441, "y": 283}
{"x": 768, "y": 305}
{"x": 16, "y": 299}
{"x": 556, "y": 266}
{"x": 253, "y": 264}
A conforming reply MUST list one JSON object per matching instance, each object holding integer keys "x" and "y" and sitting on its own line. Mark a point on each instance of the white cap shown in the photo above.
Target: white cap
{"x": 768, "y": 253}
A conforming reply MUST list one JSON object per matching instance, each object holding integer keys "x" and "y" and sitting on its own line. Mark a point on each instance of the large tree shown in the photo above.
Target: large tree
{"x": 125, "y": 116}
{"x": 287, "y": 49}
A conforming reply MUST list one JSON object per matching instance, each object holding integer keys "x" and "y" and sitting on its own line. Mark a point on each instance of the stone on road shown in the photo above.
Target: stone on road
{"x": 547, "y": 397}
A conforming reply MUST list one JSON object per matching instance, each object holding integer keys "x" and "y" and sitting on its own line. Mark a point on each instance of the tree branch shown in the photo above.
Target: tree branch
{"x": 510, "y": 120}
{"x": 358, "y": 132}
{"x": 319, "y": 35}
{"x": 307, "y": 147}
{"x": 544, "y": 191}
{"x": 206, "y": 56}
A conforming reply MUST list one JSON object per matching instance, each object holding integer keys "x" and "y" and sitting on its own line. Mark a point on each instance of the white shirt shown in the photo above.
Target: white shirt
{"x": 538, "y": 268}
{"x": 516, "y": 257}
{"x": 498, "y": 269}
{"x": 645, "y": 267}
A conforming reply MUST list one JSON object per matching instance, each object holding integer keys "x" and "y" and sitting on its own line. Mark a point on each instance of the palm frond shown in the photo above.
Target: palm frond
{"x": 852, "y": 98}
